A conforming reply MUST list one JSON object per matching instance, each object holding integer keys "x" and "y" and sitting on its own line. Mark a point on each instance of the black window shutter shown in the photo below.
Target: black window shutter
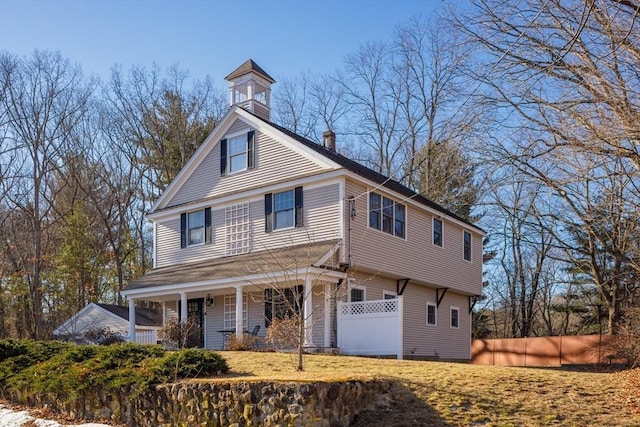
{"x": 268, "y": 304}
{"x": 183, "y": 230}
{"x": 298, "y": 205}
{"x": 207, "y": 225}
{"x": 268, "y": 210}
{"x": 251, "y": 162}
{"x": 223, "y": 157}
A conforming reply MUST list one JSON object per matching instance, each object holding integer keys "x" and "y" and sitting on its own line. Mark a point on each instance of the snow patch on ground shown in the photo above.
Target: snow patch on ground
{"x": 11, "y": 418}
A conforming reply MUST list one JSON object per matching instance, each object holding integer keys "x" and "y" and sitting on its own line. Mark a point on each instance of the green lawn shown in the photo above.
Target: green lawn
{"x": 451, "y": 394}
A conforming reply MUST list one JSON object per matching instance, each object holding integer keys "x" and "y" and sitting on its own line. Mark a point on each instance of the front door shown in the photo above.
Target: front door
{"x": 195, "y": 313}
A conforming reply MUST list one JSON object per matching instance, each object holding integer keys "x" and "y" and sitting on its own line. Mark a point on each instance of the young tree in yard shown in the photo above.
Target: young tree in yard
{"x": 44, "y": 101}
{"x": 292, "y": 306}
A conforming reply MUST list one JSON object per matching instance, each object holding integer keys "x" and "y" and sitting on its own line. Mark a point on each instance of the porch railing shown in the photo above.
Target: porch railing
{"x": 146, "y": 337}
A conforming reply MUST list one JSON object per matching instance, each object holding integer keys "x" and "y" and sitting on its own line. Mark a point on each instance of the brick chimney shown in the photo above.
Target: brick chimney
{"x": 329, "y": 140}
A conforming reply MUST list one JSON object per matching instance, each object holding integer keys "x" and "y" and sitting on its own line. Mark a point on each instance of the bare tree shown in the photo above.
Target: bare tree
{"x": 290, "y": 282}
{"x": 521, "y": 275}
{"x": 563, "y": 76}
{"x": 45, "y": 99}
{"x": 165, "y": 118}
{"x": 568, "y": 68}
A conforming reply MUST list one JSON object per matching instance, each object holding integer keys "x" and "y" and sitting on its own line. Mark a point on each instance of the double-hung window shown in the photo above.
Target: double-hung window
{"x": 375, "y": 211}
{"x": 230, "y": 310}
{"x": 467, "y": 246}
{"x": 237, "y": 153}
{"x": 282, "y": 303}
{"x": 387, "y": 215}
{"x": 283, "y": 209}
{"x": 195, "y": 227}
{"x": 455, "y": 317}
{"x": 431, "y": 314}
{"x": 437, "y": 232}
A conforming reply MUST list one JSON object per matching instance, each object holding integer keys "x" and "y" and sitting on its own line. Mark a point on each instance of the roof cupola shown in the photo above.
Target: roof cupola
{"x": 250, "y": 88}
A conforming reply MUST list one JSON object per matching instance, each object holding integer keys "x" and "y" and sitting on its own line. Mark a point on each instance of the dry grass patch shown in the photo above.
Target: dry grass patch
{"x": 446, "y": 394}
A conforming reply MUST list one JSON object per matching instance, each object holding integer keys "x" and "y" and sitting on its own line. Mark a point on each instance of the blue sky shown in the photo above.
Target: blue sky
{"x": 285, "y": 37}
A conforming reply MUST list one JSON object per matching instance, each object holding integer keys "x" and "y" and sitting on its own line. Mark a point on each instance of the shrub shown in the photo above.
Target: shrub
{"x": 190, "y": 363}
{"x": 176, "y": 334}
{"x": 122, "y": 368}
{"x": 247, "y": 343}
{"x": 284, "y": 333}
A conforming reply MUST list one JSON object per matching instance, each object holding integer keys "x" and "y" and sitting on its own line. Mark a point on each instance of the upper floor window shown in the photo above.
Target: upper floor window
{"x": 195, "y": 227}
{"x": 437, "y": 231}
{"x": 467, "y": 246}
{"x": 386, "y": 215}
{"x": 237, "y": 153}
{"x": 283, "y": 209}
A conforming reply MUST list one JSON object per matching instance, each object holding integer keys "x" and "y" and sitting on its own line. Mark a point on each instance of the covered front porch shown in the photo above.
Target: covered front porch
{"x": 244, "y": 293}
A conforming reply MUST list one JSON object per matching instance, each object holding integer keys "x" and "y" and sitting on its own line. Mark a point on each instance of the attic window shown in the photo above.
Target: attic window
{"x": 237, "y": 153}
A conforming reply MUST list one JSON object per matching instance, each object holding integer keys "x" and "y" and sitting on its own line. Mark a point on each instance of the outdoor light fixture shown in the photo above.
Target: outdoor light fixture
{"x": 209, "y": 300}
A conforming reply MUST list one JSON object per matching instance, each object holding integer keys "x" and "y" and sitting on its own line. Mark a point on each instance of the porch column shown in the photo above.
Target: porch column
{"x": 308, "y": 312}
{"x": 132, "y": 320}
{"x": 239, "y": 325}
{"x": 327, "y": 314}
{"x": 183, "y": 307}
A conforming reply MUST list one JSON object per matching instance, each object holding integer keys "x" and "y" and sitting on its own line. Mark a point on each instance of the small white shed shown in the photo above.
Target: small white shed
{"x": 114, "y": 317}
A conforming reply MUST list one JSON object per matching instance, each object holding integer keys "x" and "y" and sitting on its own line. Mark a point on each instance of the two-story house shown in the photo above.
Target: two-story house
{"x": 260, "y": 218}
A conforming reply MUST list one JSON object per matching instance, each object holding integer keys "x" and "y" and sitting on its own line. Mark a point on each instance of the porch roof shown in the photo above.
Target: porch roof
{"x": 265, "y": 262}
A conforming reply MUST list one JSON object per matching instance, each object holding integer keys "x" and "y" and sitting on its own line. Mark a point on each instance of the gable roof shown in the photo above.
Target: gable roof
{"x": 327, "y": 156}
{"x": 248, "y": 67}
{"x": 368, "y": 173}
{"x": 144, "y": 316}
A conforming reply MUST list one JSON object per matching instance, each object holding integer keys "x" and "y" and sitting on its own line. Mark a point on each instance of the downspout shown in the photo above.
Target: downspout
{"x": 352, "y": 215}
{"x": 335, "y": 308}
{"x": 345, "y": 267}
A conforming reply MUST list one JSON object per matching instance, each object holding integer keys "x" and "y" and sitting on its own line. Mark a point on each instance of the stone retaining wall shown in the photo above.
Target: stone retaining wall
{"x": 224, "y": 404}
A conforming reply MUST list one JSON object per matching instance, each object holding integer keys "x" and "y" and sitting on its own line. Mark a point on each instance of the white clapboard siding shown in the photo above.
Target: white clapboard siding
{"x": 415, "y": 256}
{"x": 275, "y": 162}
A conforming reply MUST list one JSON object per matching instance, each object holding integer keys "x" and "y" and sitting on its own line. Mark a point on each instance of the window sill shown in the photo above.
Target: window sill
{"x": 387, "y": 234}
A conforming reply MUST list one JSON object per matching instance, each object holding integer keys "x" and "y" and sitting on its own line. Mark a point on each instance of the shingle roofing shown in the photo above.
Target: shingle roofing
{"x": 248, "y": 67}
{"x": 368, "y": 173}
{"x": 144, "y": 316}
{"x": 236, "y": 266}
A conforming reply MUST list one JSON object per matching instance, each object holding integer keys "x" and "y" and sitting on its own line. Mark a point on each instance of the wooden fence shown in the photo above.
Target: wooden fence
{"x": 544, "y": 351}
